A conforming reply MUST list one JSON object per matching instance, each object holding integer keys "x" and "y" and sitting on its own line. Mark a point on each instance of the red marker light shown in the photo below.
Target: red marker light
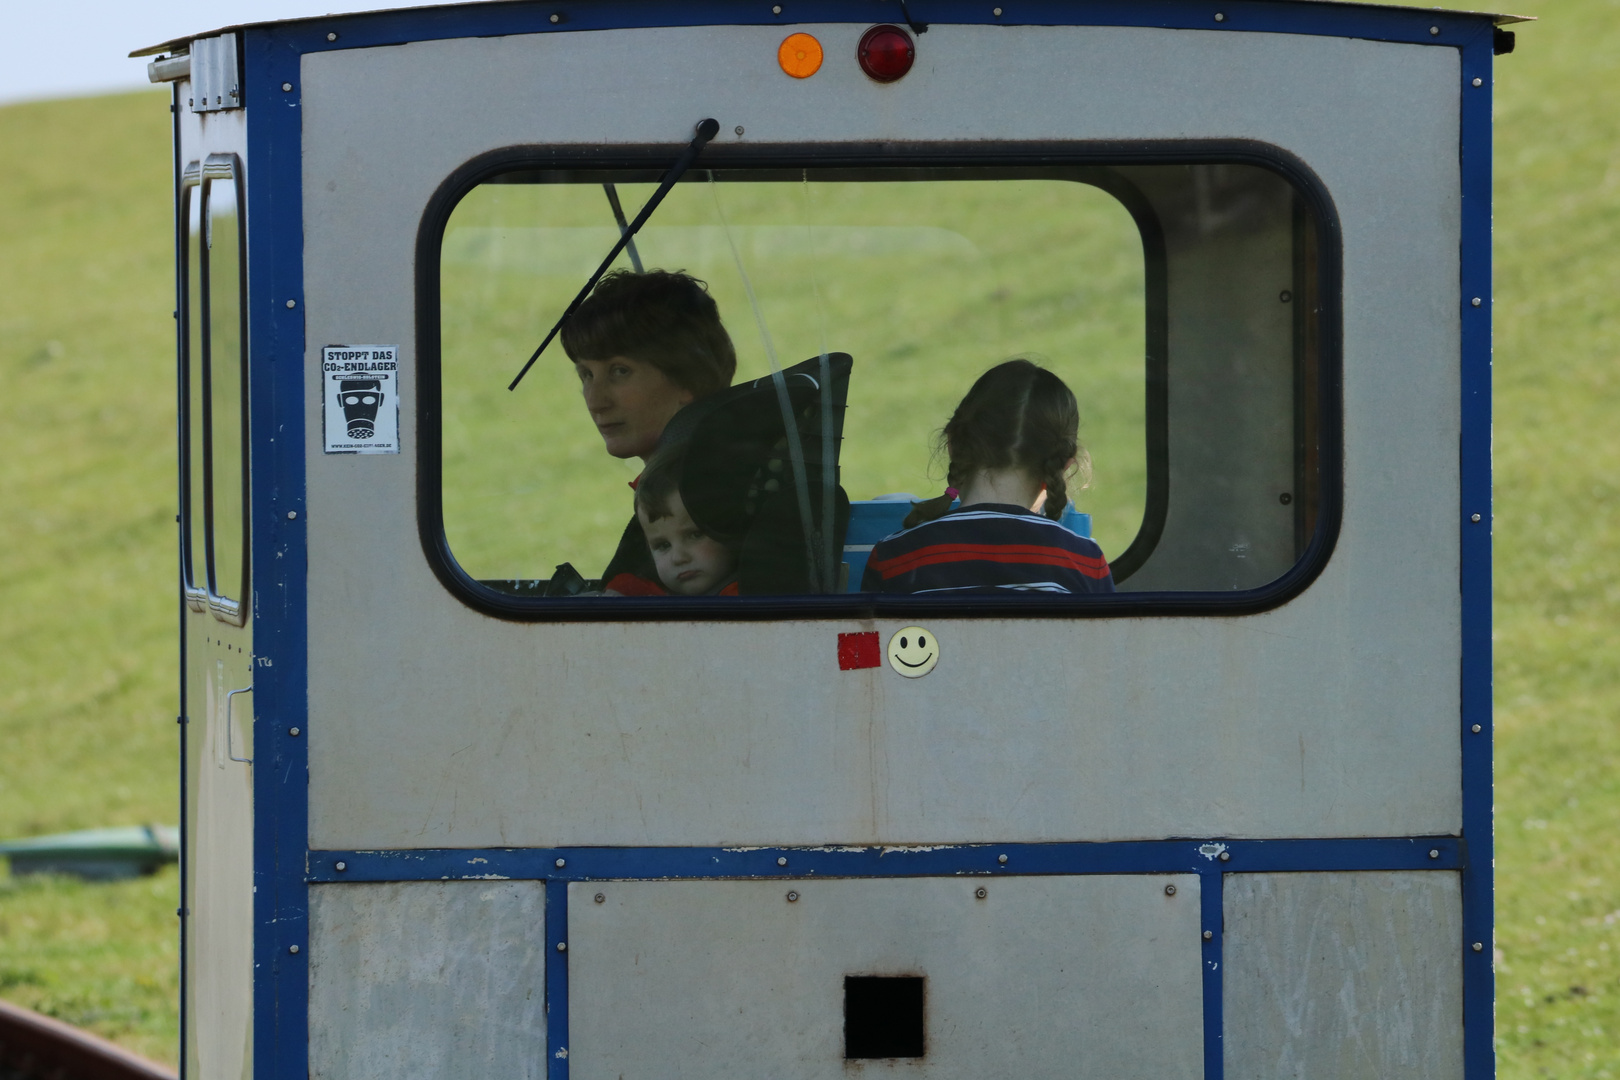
{"x": 886, "y": 53}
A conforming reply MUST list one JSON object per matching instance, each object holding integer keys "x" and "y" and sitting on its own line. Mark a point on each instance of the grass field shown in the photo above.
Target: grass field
{"x": 86, "y": 566}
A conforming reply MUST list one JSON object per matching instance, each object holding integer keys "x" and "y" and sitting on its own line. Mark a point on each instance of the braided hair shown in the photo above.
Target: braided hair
{"x": 1017, "y": 416}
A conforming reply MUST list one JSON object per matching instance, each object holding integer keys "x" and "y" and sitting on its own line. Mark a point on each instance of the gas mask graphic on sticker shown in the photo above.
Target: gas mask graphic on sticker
{"x": 360, "y": 399}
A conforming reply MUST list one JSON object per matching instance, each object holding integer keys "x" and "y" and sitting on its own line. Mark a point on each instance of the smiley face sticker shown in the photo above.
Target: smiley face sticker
{"x": 913, "y": 651}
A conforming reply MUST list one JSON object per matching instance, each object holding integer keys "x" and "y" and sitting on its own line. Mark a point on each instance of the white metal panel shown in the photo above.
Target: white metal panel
{"x": 440, "y": 980}
{"x": 1332, "y": 976}
{"x": 433, "y": 725}
{"x": 1078, "y": 976}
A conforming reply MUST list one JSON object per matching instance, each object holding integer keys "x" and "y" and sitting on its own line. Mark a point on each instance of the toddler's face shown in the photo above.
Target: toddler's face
{"x": 689, "y": 561}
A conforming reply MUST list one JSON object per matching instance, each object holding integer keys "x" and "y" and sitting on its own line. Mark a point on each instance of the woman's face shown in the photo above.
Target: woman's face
{"x": 630, "y": 401}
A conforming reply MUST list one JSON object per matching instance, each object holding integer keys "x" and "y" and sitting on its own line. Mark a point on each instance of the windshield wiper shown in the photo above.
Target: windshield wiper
{"x": 706, "y": 130}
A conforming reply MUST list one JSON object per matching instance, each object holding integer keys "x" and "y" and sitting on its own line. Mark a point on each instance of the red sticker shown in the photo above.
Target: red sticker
{"x": 859, "y": 651}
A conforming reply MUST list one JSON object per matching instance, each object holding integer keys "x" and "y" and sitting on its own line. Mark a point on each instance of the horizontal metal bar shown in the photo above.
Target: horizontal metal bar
{"x": 1115, "y": 857}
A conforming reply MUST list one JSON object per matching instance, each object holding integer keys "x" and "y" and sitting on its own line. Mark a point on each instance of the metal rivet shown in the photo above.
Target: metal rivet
{"x": 793, "y": 898}
{"x": 738, "y": 129}
{"x": 1479, "y": 946}
{"x": 1474, "y": 518}
{"x": 781, "y": 860}
{"x": 332, "y": 36}
{"x": 561, "y": 863}
{"x": 1226, "y": 856}
{"x": 1220, "y": 17}
{"x": 1285, "y": 498}
{"x": 556, "y": 18}
{"x": 1169, "y": 890}
{"x": 1209, "y": 935}
{"x": 981, "y": 892}
{"x": 562, "y": 946}
{"x": 286, "y": 88}
{"x": 1477, "y": 729}
{"x": 292, "y": 303}
{"x": 996, "y": 12}
{"x": 1476, "y": 301}
{"x": 1434, "y": 853}
{"x": 293, "y": 949}
{"x": 1001, "y": 859}
{"x": 293, "y": 732}
{"x": 342, "y": 866}
{"x": 776, "y": 10}
{"x": 292, "y": 515}
{"x": 1479, "y": 82}
{"x": 1285, "y": 296}
{"x": 1434, "y": 31}
{"x": 600, "y": 899}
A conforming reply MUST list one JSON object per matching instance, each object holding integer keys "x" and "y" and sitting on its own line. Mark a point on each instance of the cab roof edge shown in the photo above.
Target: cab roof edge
{"x": 182, "y": 43}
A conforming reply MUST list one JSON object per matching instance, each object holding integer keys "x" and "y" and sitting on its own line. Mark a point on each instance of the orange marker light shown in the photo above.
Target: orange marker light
{"x": 800, "y": 55}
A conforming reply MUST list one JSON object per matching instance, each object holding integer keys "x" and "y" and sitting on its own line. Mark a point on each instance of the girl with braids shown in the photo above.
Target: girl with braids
{"x": 1013, "y": 443}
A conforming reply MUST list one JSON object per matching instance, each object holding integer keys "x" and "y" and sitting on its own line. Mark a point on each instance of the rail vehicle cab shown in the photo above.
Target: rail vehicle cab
{"x": 461, "y": 803}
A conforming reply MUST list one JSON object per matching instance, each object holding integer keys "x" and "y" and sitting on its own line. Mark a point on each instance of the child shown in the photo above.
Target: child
{"x": 1012, "y": 444}
{"x": 688, "y": 561}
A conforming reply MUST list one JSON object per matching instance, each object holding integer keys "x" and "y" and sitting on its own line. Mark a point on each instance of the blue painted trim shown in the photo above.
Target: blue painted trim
{"x": 1479, "y": 984}
{"x": 1212, "y": 916}
{"x": 496, "y": 19}
{"x": 280, "y": 560}
{"x": 1119, "y": 857}
{"x": 556, "y": 980}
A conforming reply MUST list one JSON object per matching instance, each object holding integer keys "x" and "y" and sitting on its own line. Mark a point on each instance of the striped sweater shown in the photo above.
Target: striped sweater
{"x": 987, "y": 548}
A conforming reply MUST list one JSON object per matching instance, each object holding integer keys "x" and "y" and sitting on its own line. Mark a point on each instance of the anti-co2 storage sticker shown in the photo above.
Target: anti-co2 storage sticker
{"x": 360, "y": 405}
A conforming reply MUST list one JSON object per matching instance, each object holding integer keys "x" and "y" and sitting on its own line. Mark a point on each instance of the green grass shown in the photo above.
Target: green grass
{"x": 86, "y": 610}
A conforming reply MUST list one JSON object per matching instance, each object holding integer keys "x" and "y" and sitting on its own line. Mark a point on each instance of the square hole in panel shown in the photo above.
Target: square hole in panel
{"x": 883, "y": 1016}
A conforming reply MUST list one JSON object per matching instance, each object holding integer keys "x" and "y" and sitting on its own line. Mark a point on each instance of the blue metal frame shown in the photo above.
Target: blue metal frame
{"x": 284, "y": 867}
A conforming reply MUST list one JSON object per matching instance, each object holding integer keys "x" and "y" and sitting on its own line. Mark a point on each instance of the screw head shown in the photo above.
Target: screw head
{"x": 996, "y": 12}
{"x": 292, "y": 303}
{"x": 981, "y": 892}
{"x": 293, "y": 732}
{"x": 293, "y": 949}
{"x": 1286, "y": 498}
{"x": 792, "y": 897}
{"x": 561, "y": 863}
{"x": 1209, "y": 935}
{"x": 1002, "y": 859}
{"x": 1169, "y": 890}
{"x": 1479, "y": 82}
{"x": 1434, "y": 31}
{"x": 738, "y": 129}
{"x": 331, "y": 36}
{"x": 556, "y": 18}
{"x": 1477, "y": 729}
{"x": 1434, "y": 853}
{"x": 286, "y": 88}
{"x": 562, "y": 946}
{"x": 1476, "y": 301}
{"x": 1220, "y": 16}
{"x": 1226, "y": 856}
{"x": 781, "y": 860}
{"x": 1479, "y": 946}
{"x": 776, "y": 9}
{"x": 342, "y": 866}
{"x": 292, "y": 515}
{"x": 1474, "y": 518}
{"x": 600, "y": 899}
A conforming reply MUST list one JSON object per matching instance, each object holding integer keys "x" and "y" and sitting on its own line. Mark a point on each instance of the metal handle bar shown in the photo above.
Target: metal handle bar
{"x": 228, "y": 705}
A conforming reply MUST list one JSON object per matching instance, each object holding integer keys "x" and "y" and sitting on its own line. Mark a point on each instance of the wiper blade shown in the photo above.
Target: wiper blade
{"x": 706, "y": 130}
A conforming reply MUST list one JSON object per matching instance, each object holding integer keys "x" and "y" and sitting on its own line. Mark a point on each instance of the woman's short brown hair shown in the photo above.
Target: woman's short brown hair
{"x": 665, "y": 318}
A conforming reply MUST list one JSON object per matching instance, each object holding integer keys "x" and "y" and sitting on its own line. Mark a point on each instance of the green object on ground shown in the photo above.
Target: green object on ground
{"x": 96, "y": 854}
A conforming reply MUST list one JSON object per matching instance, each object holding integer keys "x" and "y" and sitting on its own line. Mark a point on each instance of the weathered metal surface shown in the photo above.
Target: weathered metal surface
{"x": 1043, "y": 976}
{"x": 1343, "y": 975}
{"x": 427, "y": 980}
{"x": 1333, "y": 715}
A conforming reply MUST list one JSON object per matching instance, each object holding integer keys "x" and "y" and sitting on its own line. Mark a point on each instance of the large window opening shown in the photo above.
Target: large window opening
{"x": 1181, "y": 304}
